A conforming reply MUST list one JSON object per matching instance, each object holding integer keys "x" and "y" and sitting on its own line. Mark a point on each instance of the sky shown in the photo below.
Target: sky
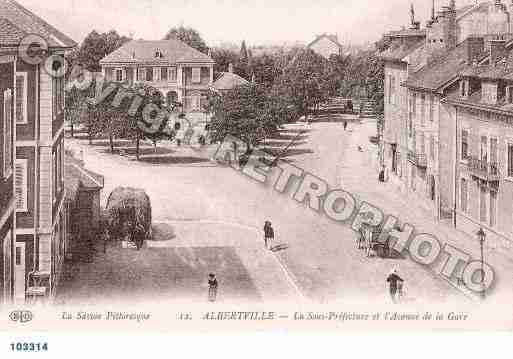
{"x": 258, "y": 22}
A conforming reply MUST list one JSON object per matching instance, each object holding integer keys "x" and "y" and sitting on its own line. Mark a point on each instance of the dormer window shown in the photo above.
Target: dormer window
{"x": 158, "y": 54}
{"x": 465, "y": 88}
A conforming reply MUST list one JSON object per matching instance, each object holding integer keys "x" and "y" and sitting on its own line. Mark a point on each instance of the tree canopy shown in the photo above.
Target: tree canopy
{"x": 95, "y": 47}
{"x": 188, "y": 35}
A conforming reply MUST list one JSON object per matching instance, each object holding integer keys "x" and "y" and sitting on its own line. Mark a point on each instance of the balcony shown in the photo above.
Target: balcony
{"x": 418, "y": 159}
{"x": 487, "y": 171}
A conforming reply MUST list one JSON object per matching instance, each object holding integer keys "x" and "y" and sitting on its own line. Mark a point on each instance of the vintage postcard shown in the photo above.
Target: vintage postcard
{"x": 255, "y": 165}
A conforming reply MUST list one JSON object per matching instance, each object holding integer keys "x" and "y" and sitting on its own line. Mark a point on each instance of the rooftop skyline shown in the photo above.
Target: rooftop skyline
{"x": 262, "y": 22}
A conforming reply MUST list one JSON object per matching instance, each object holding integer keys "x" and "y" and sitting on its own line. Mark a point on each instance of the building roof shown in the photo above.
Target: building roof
{"x": 398, "y": 51}
{"x": 18, "y": 21}
{"x": 332, "y": 38}
{"x": 441, "y": 70}
{"x": 143, "y": 51}
{"x": 407, "y": 33}
{"x": 228, "y": 81}
{"x": 76, "y": 176}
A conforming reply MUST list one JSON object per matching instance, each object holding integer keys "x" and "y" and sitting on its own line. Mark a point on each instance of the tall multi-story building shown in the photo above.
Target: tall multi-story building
{"x": 180, "y": 72}
{"x": 421, "y": 68}
{"x": 482, "y": 129}
{"x": 38, "y": 97}
{"x": 7, "y": 155}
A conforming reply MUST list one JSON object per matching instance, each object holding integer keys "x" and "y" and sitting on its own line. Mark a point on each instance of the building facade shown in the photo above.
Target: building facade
{"x": 180, "y": 72}
{"x": 38, "y": 97}
{"x": 483, "y": 132}
{"x": 7, "y": 155}
{"x": 422, "y": 68}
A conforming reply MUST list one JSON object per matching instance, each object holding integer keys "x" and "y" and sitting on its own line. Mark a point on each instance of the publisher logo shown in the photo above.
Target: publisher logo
{"x": 21, "y": 316}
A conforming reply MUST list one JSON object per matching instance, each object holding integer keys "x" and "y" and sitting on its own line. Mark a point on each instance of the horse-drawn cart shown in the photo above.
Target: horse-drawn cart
{"x": 370, "y": 242}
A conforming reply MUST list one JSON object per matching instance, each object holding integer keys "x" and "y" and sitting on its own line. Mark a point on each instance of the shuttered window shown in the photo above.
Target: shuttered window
{"x": 163, "y": 73}
{"x": 20, "y": 186}
{"x": 464, "y": 195}
{"x": 464, "y": 145}
{"x": 172, "y": 74}
{"x": 21, "y": 97}
{"x": 7, "y": 150}
{"x": 196, "y": 75}
{"x": 510, "y": 160}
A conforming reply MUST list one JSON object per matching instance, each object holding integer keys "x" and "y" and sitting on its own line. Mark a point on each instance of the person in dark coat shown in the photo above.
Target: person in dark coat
{"x": 382, "y": 174}
{"x": 139, "y": 235}
{"x": 212, "y": 287}
{"x": 268, "y": 234}
{"x": 345, "y": 125}
{"x": 395, "y": 282}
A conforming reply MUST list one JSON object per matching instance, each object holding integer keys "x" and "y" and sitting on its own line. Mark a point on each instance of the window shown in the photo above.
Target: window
{"x": 21, "y": 97}
{"x": 414, "y": 111}
{"x": 431, "y": 108}
{"x": 196, "y": 75}
{"x": 20, "y": 185}
{"x": 510, "y": 160}
{"x": 465, "y": 88}
{"x": 54, "y": 175}
{"x": 493, "y": 208}
{"x": 57, "y": 95}
{"x": 494, "y": 148}
{"x": 119, "y": 75}
{"x": 484, "y": 149}
{"x": 432, "y": 147}
{"x": 163, "y": 73}
{"x": 141, "y": 74}
{"x": 172, "y": 74}
{"x": 158, "y": 54}
{"x": 7, "y": 131}
{"x": 413, "y": 177}
{"x": 464, "y": 145}
{"x": 482, "y": 204}
{"x": 509, "y": 94}
{"x": 58, "y": 170}
{"x": 422, "y": 109}
{"x": 464, "y": 195}
{"x": 149, "y": 74}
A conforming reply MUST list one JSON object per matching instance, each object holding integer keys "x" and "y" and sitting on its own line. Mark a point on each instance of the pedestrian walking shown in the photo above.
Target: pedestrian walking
{"x": 105, "y": 238}
{"x": 345, "y": 125}
{"x": 139, "y": 235}
{"x": 395, "y": 284}
{"x": 212, "y": 287}
{"x": 268, "y": 234}
{"x": 382, "y": 174}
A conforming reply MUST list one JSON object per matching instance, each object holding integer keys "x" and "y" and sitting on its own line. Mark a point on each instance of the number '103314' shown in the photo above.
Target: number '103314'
{"x": 29, "y": 347}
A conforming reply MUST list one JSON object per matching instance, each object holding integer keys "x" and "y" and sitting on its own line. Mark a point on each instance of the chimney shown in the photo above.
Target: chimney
{"x": 449, "y": 25}
{"x": 497, "y": 50}
{"x": 475, "y": 47}
{"x": 230, "y": 68}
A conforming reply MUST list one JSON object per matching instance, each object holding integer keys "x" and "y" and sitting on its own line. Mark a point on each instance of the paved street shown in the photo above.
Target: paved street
{"x": 319, "y": 256}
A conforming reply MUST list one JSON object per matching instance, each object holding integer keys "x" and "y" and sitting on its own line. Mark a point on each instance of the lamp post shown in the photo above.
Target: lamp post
{"x": 481, "y": 236}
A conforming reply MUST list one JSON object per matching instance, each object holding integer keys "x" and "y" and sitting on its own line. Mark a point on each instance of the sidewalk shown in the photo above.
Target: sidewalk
{"x": 359, "y": 176}
{"x": 175, "y": 266}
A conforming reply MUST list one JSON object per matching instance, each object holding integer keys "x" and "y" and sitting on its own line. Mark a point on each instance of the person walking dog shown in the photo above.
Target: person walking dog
{"x": 395, "y": 285}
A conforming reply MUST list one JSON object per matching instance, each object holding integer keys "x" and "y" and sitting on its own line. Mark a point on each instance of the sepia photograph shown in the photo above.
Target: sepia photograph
{"x": 243, "y": 165}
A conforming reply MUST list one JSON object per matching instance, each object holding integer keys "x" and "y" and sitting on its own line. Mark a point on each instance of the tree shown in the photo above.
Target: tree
{"x": 247, "y": 112}
{"x": 223, "y": 58}
{"x": 188, "y": 35}
{"x": 95, "y": 47}
{"x": 306, "y": 82}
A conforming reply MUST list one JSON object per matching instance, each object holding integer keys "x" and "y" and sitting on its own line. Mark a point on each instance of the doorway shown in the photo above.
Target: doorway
{"x": 20, "y": 272}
